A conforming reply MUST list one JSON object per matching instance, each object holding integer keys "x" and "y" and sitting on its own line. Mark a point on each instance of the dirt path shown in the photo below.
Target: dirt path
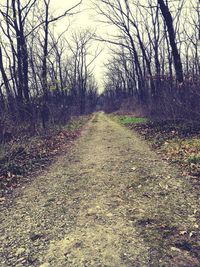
{"x": 111, "y": 202}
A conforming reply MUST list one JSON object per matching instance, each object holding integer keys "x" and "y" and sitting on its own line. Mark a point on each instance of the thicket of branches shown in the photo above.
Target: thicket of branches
{"x": 44, "y": 77}
{"x": 155, "y": 62}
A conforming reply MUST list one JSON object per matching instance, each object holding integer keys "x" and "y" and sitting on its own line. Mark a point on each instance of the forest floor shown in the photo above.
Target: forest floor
{"x": 110, "y": 202}
{"x": 25, "y": 155}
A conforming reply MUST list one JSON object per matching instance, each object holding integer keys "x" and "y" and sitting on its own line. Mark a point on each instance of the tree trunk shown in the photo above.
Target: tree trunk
{"x": 172, "y": 38}
{"x": 4, "y": 76}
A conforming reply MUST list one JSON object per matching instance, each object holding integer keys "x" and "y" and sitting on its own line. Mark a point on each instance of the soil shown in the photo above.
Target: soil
{"x": 110, "y": 202}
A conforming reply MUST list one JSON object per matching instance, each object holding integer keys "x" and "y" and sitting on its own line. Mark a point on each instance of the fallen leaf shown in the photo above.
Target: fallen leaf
{"x": 133, "y": 169}
{"x": 2, "y": 199}
{"x": 191, "y": 234}
{"x": 175, "y": 249}
{"x": 183, "y": 232}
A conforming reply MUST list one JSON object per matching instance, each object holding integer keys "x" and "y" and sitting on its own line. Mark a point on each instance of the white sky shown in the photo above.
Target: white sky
{"x": 86, "y": 18}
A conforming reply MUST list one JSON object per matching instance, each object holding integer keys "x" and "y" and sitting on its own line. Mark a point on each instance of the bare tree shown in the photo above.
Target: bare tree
{"x": 172, "y": 37}
{"x": 48, "y": 20}
{"x": 83, "y": 59}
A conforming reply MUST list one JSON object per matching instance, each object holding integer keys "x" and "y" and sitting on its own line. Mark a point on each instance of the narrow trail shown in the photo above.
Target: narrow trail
{"x": 110, "y": 202}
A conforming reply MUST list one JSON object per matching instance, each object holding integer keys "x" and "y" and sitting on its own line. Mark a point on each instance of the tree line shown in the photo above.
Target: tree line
{"x": 47, "y": 75}
{"x": 155, "y": 58}
{"x": 44, "y": 76}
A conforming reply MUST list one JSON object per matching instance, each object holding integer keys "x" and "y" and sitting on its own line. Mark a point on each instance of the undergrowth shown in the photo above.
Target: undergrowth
{"x": 178, "y": 141}
{"x": 20, "y": 157}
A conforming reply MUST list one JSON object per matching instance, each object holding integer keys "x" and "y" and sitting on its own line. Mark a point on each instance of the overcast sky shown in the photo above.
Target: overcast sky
{"x": 86, "y": 18}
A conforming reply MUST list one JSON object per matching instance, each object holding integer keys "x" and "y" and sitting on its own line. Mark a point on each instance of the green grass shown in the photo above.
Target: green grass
{"x": 129, "y": 120}
{"x": 194, "y": 159}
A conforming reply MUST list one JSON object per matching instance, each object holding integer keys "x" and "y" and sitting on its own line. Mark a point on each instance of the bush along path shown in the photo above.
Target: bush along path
{"x": 110, "y": 202}
{"x": 21, "y": 157}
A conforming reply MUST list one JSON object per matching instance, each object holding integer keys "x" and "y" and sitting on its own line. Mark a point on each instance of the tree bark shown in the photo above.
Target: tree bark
{"x": 4, "y": 76}
{"x": 172, "y": 38}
